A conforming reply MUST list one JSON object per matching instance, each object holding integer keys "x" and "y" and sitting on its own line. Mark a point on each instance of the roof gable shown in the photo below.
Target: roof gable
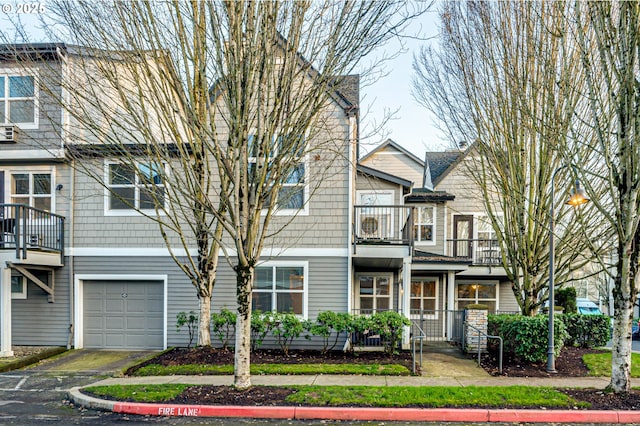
{"x": 390, "y": 145}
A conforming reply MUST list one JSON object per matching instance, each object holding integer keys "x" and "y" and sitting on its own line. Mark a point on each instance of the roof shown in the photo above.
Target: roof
{"x": 12, "y": 52}
{"x": 440, "y": 163}
{"x": 391, "y": 144}
{"x": 383, "y": 176}
{"x": 421, "y": 256}
{"x": 424, "y": 195}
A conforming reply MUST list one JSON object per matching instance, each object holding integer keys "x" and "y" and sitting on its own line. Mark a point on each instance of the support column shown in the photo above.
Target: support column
{"x": 406, "y": 300}
{"x": 5, "y": 312}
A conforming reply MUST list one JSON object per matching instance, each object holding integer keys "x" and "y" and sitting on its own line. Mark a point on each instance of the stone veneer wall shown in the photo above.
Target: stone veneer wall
{"x": 478, "y": 319}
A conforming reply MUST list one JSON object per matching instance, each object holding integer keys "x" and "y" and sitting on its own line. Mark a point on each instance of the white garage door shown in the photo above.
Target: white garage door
{"x": 123, "y": 314}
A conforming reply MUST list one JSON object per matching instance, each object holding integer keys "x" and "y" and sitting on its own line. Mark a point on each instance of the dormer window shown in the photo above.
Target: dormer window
{"x": 18, "y": 100}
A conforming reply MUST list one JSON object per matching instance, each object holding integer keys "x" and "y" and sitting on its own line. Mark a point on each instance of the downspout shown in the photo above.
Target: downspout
{"x": 64, "y": 65}
{"x": 353, "y": 158}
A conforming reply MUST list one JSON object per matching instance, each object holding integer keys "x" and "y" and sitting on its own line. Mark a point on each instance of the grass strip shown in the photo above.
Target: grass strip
{"x": 600, "y": 364}
{"x": 138, "y": 393}
{"x": 434, "y": 396}
{"x": 290, "y": 369}
{"x": 377, "y": 396}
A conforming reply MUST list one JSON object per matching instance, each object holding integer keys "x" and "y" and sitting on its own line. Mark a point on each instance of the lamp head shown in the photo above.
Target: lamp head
{"x": 577, "y": 196}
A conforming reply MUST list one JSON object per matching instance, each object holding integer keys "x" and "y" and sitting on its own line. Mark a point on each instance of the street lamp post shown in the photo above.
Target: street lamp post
{"x": 577, "y": 197}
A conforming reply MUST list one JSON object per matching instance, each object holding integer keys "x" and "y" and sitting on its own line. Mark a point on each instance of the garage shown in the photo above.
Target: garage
{"x": 119, "y": 314}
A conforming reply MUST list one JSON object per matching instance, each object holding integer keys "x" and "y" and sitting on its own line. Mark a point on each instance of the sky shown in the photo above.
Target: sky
{"x": 411, "y": 124}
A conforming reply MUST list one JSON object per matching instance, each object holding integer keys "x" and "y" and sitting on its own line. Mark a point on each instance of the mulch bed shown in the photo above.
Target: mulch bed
{"x": 568, "y": 364}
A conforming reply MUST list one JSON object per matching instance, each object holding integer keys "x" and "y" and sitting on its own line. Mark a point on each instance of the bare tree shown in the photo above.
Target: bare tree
{"x": 609, "y": 39}
{"x": 506, "y": 77}
{"x": 223, "y": 100}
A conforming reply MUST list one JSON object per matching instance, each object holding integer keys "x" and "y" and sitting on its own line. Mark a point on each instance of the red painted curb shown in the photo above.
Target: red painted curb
{"x": 392, "y": 414}
{"x": 551, "y": 416}
{"x": 381, "y": 414}
{"x": 176, "y": 410}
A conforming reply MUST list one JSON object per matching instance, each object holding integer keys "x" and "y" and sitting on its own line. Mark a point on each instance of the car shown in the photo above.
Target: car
{"x": 587, "y": 307}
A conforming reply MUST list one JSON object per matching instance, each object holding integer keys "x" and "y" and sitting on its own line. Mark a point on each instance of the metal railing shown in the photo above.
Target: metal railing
{"x": 438, "y": 325}
{"x": 383, "y": 225}
{"x": 415, "y": 338}
{"x": 479, "y": 252}
{"x": 482, "y": 334}
{"x": 25, "y": 228}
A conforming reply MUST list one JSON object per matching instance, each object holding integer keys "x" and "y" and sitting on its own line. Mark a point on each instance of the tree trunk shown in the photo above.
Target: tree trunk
{"x": 204, "y": 322}
{"x": 242, "y": 360}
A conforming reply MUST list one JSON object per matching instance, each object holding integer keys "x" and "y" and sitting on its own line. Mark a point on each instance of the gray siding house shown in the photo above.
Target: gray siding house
{"x": 388, "y": 232}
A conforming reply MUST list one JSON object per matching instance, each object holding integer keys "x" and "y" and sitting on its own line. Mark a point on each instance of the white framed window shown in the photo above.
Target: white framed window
{"x": 18, "y": 287}
{"x": 423, "y": 297}
{"x": 424, "y": 227}
{"x": 32, "y": 188}
{"x": 18, "y": 99}
{"x": 130, "y": 188}
{"x": 472, "y": 292}
{"x": 375, "y": 293}
{"x": 294, "y": 193}
{"x": 488, "y": 251}
{"x": 281, "y": 287}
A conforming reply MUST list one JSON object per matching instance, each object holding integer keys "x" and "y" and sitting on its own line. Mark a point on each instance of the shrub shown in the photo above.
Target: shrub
{"x": 328, "y": 323}
{"x": 223, "y": 326}
{"x": 191, "y": 321}
{"x": 566, "y": 297}
{"x": 527, "y": 337}
{"x": 587, "y": 331}
{"x": 389, "y": 325}
{"x": 261, "y": 325}
{"x": 286, "y": 327}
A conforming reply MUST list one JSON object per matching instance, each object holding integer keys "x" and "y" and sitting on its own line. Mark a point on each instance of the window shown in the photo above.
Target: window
{"x": 18, "y": 287}
{"x": 477, "y": 292}
{"x": 18, "y": 100}
{"x": 424, "y": 226}
{"x": 292, "y": 195}
{"x": 280, "y": 288}
{"x": 423, "y": 297}
{"x": 488, "y": 249}
{"x": 138, "y": 187}
{"x": 374, "y": 293}
{"x": 32, "y": 189}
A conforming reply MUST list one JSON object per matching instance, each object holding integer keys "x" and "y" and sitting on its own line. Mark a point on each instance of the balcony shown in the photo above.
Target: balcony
{"x": 31, "y": 233}
{"x": 478, "y": 252}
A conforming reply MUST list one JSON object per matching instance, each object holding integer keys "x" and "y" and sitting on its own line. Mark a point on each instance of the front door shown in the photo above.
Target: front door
{"x": 462, "y": 235}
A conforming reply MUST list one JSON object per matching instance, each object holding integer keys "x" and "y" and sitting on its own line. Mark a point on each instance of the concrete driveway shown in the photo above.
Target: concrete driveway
{"x": 92, "y": 362}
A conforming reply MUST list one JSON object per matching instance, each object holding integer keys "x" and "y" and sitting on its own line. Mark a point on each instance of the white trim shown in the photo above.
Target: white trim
{"x": 133, "y": 211}
{"x": 32, "y": 154}
{"x": 434, "y": 213}
{"x": 480, "y": 281}
{"x": 29, "y": 170}
{"x": 163, "y": 251}
{"x": 13, "y": 72}
{"x": 305, "y": 280}
{"x": 78, "y": 287}
{"x": 23, "y": 293}
{"x": 437, "y": 296}
{"x": 389, "y": 275}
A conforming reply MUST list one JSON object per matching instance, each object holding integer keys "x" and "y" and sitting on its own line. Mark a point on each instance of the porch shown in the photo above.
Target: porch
{"x": 31, "y": 236}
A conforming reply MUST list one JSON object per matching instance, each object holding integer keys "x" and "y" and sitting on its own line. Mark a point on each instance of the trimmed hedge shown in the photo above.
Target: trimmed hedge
{"x": 587, "y": 331}
{"x": 525, "y": 337}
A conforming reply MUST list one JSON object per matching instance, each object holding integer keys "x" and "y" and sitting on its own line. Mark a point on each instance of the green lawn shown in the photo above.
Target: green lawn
{"x": 292, "y": 369}
{"x": 600, "y": 364}
{"x": 374, "y": 396}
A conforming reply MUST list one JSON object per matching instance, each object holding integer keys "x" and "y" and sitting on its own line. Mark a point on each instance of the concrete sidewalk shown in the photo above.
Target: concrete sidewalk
{"x": 365, "y": 414}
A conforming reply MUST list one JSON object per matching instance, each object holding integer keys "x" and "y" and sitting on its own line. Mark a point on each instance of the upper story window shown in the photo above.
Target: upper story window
{"x": 18, "y": 100}
{"x": 292, "y": 196}
{"x": 280, "y": 288}
{"x": 424, "y": 224}
{"x": 32, "y": 189}
{"x": 134, "y": 187}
